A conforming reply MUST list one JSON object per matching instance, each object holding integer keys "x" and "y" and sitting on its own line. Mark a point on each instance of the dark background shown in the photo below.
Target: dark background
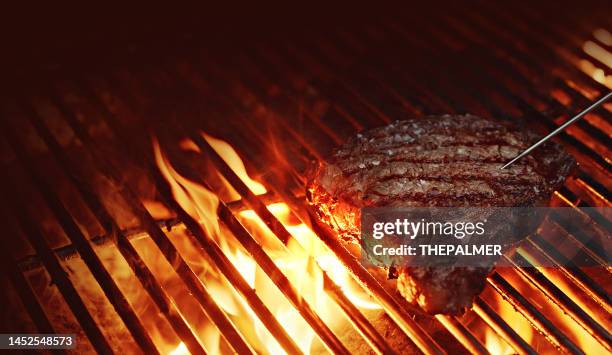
{"x": 77, "y": 35}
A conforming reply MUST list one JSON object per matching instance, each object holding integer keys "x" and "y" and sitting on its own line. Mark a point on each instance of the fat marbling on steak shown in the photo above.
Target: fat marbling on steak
{"x": 436, "y": 161}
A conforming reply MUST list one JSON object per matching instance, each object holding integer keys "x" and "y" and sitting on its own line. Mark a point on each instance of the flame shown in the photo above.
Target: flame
{"x": 301, "y": 260}
{"x": 563, "y": 320}
{"x": 212, "y": 341}
{"x": 181, "y": 349}
{"x": 231, "y": 157}
{"x": 495, "y": 345}
{"x": 157, "y": 209}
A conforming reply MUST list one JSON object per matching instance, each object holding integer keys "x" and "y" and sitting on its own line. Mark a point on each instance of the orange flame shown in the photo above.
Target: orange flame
{"x": 298, "y": 260}
{"x": 495, "y": 345}
{"x": 181, "y": 349}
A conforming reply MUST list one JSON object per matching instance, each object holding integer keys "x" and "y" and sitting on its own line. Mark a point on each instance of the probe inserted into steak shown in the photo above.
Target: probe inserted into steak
{"x": 436, "y": 161}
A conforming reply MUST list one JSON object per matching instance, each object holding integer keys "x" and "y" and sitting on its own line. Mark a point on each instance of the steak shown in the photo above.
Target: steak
{"x": 436, "y": 161}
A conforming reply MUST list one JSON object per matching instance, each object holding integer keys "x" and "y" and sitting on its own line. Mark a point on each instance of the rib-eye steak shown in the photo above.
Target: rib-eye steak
{"x": 437, "y": 161}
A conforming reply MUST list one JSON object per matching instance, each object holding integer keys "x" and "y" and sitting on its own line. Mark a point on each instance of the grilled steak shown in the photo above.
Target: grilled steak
{"x": 438, "y": 161}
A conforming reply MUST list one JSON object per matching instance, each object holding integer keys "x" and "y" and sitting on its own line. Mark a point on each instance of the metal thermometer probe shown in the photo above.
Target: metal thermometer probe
{"x": 560, "y": 128}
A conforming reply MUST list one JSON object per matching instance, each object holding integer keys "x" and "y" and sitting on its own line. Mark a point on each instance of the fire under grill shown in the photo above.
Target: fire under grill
{"x": 128, "y": 226}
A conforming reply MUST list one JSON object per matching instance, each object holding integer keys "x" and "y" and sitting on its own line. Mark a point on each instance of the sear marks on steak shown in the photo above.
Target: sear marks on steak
{"x": 437, "y": 161}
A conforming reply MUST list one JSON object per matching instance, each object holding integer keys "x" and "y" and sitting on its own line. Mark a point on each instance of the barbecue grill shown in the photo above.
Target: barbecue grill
{"x": 129, "y": 227}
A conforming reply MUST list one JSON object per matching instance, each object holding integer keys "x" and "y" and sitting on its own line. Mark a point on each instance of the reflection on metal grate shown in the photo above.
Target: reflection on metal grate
{"x": 282, "y": 104}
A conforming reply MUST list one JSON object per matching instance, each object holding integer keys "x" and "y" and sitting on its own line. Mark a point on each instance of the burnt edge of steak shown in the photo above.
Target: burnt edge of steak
{"x": 435, "y": 161}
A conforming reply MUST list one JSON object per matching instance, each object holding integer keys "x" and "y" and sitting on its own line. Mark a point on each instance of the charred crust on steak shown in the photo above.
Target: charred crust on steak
{"x": 436, "y": 161}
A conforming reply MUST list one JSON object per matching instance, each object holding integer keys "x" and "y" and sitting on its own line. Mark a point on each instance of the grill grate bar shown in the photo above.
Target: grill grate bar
{"x": 529, "y": 271}
{"x": 164, "y": 303}
{"x": 208, "y": 304}
{"x": 360, "y": 322}
{"x": 221, "y": 261}
{"x": 502, "y": 328}
{"x": 486, "y": 103}
{"x": 58, "y": 275}
{"x": 407, "y": 322}
{"x": 588, "y": 194}
{"x": 454, "y": 327}
{"x": 524, "y": 106}
{"x": 572, "y": 271}
{"x": 214, "y": 251}
{"x": 79, "y": 240}
{"x": 505, "y": 67}
{"x": 594, "y": 249}
{"x": 276, "y": 227}
{"x": 577, "y": 50}
{"x": 594, "y": 187}
{"x": 194, "y": 284}
{"x": 451, "y": 324}
{"x": 558, "y": 49}
{"x": 510, "y": 69}
{"x": 587, "y": 141}
{"x": 65, "y": 286}
{"x": 530, "y": 312}
{"x": 188, "y": 276}
{"x": 32, "y": 261}
{"x": 273, "y": 272}
{"x": 27, "y": 296}
{"x": 578, "y": 99}
{"x": 463, "y": 335}
{"x": 229, "y": 270}
{"x": 584, "y": 101}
